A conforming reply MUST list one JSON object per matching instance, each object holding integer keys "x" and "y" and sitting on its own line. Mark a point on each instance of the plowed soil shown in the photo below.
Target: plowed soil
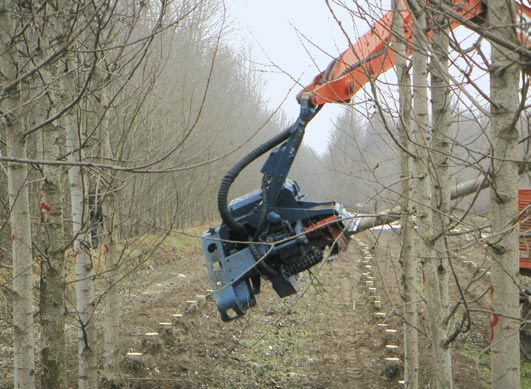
{"x": 332, "y": 334}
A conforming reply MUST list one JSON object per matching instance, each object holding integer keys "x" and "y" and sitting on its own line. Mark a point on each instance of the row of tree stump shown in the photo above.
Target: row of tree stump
{"x": 392, "y": 364}
{"x": 152, "y": 342}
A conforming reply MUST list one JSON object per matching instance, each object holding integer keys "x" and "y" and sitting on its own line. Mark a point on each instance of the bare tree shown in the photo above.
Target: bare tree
{"x": 85, "y": 302}
{"x": 105, "y": 214}
{"x": 504, "y": 115}
{"x": 13, "y": 123}
{"x": 440, "y": 204}
{"x": 52, "y": 245}
{"x": 441, "y": 362}
{"x": 51, "y": 298}
{"x": 407, "y": 258}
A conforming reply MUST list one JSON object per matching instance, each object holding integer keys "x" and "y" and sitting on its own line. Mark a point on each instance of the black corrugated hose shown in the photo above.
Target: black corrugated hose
{"x": 231, "y": 175}
{"x": 307, "y": 113}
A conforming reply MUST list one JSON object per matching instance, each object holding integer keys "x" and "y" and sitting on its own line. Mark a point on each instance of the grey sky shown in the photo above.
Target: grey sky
{"x": 291, "y": 41}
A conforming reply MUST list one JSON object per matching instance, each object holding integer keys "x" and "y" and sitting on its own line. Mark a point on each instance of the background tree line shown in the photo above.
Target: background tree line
{"x": 118, "y": 120}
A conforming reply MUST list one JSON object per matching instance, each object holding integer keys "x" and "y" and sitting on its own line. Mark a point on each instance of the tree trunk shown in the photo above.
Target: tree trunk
{"x": 52, "y": 313}
{"x": 441, "y": 361}
{"x": 111, "y": 250}
{"x": 440, "y": 97}
{"x": 21, "y": 243}
{"x": 52, "y": 236}
{"x": 22, "y": 257}
{"x": 505, "y": 324}
{"x": 440, "y": 207}
{"x": 112, "y": 303}
{"x": 407, "y": 258}
{"x": 87, "y": 375}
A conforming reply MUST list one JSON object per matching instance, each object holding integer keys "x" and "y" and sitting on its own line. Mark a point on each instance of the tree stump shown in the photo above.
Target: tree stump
{"x": 192, "y": 306}
{"x": 391, "y": 334}
{"x": 392, "y": 368}
{"x": 151, "y": 343}
{"x": 201, "y": 299}
{"x": 166, "y": 332}
{"x": 133, "y": 363}
{"x": 391, "y": 349}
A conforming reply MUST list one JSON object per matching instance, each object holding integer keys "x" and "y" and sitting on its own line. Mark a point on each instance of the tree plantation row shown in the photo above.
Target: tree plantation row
{"x": 119, "y": 118}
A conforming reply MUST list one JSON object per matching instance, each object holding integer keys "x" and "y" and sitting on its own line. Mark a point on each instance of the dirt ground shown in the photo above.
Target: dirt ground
{"x": 332, "y": 334}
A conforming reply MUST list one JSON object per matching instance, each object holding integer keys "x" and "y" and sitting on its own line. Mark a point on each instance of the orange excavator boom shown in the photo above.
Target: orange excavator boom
{"x": 372, "y": 54}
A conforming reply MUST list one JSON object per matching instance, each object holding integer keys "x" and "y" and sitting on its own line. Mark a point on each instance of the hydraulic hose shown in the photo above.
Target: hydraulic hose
{"x": 307, "y": 113}
{"x": 231, "y": 175}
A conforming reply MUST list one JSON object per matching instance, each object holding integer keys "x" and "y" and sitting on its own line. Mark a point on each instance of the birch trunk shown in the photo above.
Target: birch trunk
{"x": 24, "y": 343}
{"x": 78, "y": 179}
{"x": 87, "y": 375}
{"x": 17, "y": 173}
{"x": 407, "y": 258}
{"x": 505, "y": 324}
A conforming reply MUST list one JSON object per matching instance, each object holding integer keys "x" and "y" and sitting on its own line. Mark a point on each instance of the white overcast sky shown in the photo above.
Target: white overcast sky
{"x": 299, "y": 37}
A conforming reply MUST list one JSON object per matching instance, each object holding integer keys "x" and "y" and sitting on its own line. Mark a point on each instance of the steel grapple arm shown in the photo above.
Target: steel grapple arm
{"x": 271, "y": 233}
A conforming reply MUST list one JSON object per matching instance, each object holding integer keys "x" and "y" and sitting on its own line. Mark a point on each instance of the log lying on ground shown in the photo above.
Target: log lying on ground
{"x": 460, "y": 190}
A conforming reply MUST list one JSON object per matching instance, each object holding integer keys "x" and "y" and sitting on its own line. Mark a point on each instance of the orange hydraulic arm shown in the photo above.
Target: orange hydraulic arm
{"x": 372, "y": 55}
